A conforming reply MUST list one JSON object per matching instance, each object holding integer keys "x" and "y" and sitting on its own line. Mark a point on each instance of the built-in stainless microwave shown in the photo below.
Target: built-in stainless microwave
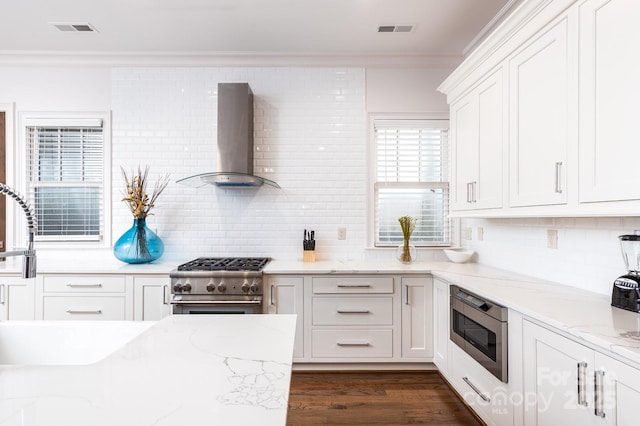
{"x": 479, "y": 327}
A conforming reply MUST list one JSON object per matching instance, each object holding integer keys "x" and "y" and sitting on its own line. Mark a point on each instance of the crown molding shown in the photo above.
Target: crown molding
{"x": 250, "y": 59}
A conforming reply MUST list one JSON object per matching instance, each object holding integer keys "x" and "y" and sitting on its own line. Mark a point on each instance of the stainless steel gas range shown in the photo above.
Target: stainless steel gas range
{"x": 217, "y": 285}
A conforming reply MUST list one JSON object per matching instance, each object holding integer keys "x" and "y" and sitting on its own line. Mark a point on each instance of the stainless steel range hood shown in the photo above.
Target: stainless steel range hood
{"x": 235, "y": 141}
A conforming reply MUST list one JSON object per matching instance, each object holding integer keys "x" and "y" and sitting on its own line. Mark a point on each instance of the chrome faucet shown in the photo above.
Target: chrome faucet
{"x": 29, "y": 259}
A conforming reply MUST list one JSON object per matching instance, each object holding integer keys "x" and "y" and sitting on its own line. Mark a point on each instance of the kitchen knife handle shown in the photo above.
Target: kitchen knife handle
{"x": 582, "y": 384}
{"x": 598, "y": 392}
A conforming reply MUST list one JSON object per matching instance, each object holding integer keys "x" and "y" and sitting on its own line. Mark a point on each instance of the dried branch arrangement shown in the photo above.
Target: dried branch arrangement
{"x": 136, "y": 197}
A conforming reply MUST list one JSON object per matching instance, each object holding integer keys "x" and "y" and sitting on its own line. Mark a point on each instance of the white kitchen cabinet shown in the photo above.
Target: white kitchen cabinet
{"x": 477, "y": 129}
{"x": 540, "y": 94}
{"x": 285, "y": 295}
{"x": 574, "y": 384}
{"x": 609, "y": 101}
{"x": 441, "y": 325}
{"x": 83, "y": 297}
{"x": 151, "y": 295}
{"x": 490, "y": 398}
{"x": 16, "y": 298}
{"x": 417, "y": 317}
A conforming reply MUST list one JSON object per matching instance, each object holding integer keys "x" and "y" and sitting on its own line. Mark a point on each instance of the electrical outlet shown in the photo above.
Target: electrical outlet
{"x": 467, "y": 233}
{"x": 480, "y": 233}
{"x": 552, "y": 238}
{"x": 342, "y": 233}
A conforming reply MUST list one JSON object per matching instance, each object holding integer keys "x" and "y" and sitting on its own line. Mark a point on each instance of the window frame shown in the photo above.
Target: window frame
{"x": 373, "y": 118}
{"x": 62, "y": 119}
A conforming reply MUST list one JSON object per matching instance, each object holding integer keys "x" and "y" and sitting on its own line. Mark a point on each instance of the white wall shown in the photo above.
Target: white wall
{"x": 588, "y": 254}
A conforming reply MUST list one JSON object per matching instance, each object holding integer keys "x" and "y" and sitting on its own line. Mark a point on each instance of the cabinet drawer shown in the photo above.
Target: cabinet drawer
{"x": 83, "y": 284}
{"x": 324, "y": 285}
{"x": 353, "y": 311}
{"x": 488, "y": 396}
{"x": 352, "y": 343}
{"x": 84, "y": 308}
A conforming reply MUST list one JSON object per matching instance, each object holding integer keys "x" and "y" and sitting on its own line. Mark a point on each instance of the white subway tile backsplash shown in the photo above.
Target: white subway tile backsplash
{"x": 310, "y": 137}
{"x": 588, "y": 253}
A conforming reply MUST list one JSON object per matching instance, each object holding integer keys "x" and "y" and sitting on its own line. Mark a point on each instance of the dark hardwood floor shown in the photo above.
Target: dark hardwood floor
{"x": 374, "y": 398}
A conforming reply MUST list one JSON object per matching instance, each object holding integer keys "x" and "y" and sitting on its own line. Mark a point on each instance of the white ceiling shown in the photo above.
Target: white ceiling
{"x": 282, "y": 27}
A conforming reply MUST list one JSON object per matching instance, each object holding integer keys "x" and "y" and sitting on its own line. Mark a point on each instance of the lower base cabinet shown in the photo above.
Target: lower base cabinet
{"x": 17, "y": 298}
{"x": 566, "y": 383}
{"x": 285, "y": 295}
{"x": 417, "y": 317}
{"x": 151, "y": 296}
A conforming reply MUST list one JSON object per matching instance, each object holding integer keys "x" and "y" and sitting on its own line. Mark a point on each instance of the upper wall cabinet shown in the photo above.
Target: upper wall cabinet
{"x": 477, "y": 128}
{"x": 609, "y": 100}
{"x": 569, "y": 106}
{"x": 538, "y": 118}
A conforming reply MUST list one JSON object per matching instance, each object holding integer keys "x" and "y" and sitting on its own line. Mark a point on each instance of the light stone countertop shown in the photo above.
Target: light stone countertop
{"x": 587, "y": 316}
{"x": 185, "y": 370}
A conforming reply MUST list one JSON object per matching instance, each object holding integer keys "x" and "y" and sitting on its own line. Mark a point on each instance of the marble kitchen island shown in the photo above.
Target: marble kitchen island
{"x": 185, "y": 370}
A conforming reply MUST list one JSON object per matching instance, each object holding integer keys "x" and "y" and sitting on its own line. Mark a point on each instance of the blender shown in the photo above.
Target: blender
{"x": 626, "y": 288}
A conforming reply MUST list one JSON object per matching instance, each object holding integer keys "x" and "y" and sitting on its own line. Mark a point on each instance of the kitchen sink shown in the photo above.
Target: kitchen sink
{"x": 64, "y": 342}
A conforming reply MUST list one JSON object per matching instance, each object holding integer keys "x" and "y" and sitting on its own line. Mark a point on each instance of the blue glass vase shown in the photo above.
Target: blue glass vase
{"x": 139, "y": 244}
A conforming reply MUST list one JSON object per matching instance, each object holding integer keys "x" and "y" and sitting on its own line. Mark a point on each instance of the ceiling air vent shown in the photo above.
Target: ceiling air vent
{"x": 395, "y": 28}
{"x": 83, "y": 27}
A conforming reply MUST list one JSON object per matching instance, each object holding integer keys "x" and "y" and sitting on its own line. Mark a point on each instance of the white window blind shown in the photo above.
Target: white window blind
{"x": 411, "y": 166}
{"x": 65, "y": 178}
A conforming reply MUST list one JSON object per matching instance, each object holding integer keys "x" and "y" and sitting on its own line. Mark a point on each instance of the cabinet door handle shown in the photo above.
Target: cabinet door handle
{"x": 559, "y": 177}
{"x": 354, "y": 285}
{"x": 84, "y": 311}
{"x": 406, "y": 290}
{"x": 476, "y": 390}
{"x": 2, "y": 300}
{"x": 474, "y": 188}
{"x": 346, "y": 344}
{"x": 598, "y": 392}
{"x": 97, "y": 285}
{"x": 165, "y": 294}
{"x": 468, "y": 192}
{"x": 271, "y": 301}
{"x": 354, "y": 311}
{"x": 582, "y": 384}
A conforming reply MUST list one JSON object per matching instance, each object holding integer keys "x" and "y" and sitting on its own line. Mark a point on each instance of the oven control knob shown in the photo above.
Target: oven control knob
{"x": 255, "y": 287}
{"x": 245, "y": 286}
{"x": 211, "y": 286}
{"x": 186, "y": 287}
{"x": 222, "y": 287}
{"x": 177, "y": 287}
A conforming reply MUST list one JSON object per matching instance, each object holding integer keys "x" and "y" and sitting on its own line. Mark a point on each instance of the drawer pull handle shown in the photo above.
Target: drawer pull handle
{"x": 476, "y": 390}
{"x": 598, "y": 384}
{"x": 98, "y": 285}
{"x": 354, "y": 311}
{"x": 347, "y": 344}
{"x": 582, "y": 384}
{"x": 354, "y": 285}
{"x": 84, "y": 311}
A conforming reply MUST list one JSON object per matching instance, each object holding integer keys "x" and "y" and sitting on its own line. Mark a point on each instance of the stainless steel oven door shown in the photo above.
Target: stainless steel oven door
{"x": 190, "y": 306}
{"x": 481, "y": 336}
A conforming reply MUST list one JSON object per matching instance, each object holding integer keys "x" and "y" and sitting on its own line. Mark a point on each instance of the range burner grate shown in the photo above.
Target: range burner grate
{"x": 225, "y": 264}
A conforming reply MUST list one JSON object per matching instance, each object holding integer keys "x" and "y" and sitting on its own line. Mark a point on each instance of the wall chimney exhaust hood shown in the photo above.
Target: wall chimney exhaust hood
{"x": 235, "y": 141}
